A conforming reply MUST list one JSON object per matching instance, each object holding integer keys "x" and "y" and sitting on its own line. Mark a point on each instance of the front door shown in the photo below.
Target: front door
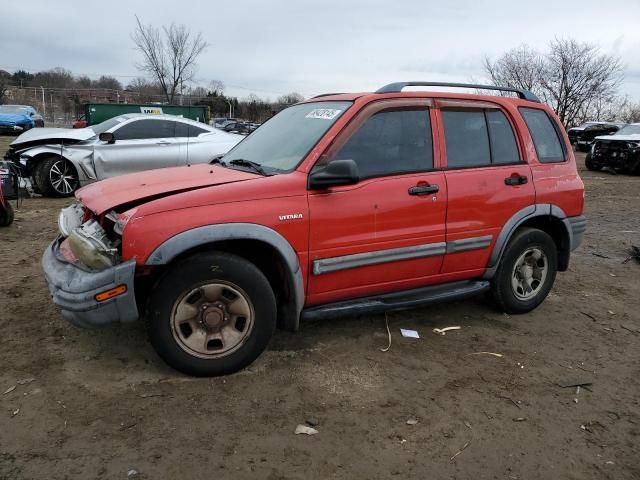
{"x": 386, "y": 232}
{"x": 141, "y": 144}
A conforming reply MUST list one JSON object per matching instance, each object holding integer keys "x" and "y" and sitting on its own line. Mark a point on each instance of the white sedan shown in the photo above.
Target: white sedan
{"x": 60, "y": 160}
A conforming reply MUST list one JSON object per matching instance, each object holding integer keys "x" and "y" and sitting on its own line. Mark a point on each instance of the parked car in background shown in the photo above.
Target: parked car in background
{"x": 344, "y": 204}
{"x": 223, "y": 122}
{"x": 81, "y": 122}
{"x": 619, "y": 152}
{"x": 15, "y": 119}
{"x": 60, "y": 160}
{"x": 242, "y": 128}
{"x": 583, "y": 135}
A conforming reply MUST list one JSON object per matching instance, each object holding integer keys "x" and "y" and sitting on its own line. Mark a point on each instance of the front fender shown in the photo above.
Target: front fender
{"x": 82, "y": 160}
{"x": 182, "y": 242}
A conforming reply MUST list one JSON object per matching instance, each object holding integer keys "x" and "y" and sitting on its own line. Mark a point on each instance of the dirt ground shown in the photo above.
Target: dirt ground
{"x": 100, "y": 404}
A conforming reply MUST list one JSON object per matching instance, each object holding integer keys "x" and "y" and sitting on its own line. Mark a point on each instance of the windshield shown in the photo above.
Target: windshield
{"x": 13, "y": 109}
{"x": 629, "y": 130}
{"x": 107, "y": 124}
{"x": 281, "y": 143}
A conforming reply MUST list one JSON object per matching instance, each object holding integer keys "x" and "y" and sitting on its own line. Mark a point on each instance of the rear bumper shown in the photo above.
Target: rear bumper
{"x": 578, "y": 226}
{"x": 73, "y": 290}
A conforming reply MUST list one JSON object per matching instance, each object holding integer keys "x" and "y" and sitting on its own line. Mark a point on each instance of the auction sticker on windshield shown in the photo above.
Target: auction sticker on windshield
{"x": 324, "y": 113}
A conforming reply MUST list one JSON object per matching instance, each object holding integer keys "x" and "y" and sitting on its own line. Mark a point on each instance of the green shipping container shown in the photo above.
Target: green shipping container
{"x": 99, "y": 112}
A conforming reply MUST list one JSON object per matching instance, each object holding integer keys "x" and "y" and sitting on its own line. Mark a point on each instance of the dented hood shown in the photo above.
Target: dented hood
{"x": 136, "y": 188}
{"x": 633, "y": 137}
{"x": 53, "y": 135}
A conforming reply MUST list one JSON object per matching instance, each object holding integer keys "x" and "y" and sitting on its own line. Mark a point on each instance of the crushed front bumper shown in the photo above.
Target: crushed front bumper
{"x": 73, "y": 289}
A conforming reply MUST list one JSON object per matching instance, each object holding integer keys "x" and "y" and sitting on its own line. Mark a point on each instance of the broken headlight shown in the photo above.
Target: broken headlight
{"x": 70, "y": 218}
{"x": 90, "y": 244}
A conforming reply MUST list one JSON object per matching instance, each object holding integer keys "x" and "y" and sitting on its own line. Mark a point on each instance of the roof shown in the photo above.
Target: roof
{"x": 394, "y": 90}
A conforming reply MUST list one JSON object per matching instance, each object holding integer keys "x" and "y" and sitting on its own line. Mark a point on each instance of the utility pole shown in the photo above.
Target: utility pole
{"x": 44, "y": 105}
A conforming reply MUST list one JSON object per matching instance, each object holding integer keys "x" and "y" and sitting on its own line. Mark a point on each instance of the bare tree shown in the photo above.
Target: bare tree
{"x": 168, "y": 54}
{"x": 216, "y": 87}
{"x": 290, "y": 98}
{"x": 577, "y": 73}
{"x": 571, "y": 77}
{"x": 518, "y": 68}
{"x": 4, "y": 88}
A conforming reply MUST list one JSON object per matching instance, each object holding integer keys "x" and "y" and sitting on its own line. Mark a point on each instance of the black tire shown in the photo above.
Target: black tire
{"x": 43, "y": 176}
{"x": 201, "y": 270}
{"x": 502, "y": 289}
{"x": 588, "y": 162}
{"x": 6, "y": 214}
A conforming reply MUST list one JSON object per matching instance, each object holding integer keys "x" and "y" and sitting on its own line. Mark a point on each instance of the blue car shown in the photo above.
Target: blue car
{"x": 19, "y": 118}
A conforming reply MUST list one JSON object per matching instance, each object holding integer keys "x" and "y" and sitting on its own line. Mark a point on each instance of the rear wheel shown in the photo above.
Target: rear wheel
{"x": 211, "y": 314}
{"x": 6, "y": 214}
{"x": 588, "y": 162}
{"x": 56, "y": 177}
{"x": 526, "y": 272}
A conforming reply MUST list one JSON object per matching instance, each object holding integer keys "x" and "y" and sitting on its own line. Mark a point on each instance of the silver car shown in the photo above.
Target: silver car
{"x": 60, "y": 160}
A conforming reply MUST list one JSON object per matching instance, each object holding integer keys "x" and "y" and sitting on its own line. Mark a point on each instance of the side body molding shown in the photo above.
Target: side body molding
{"x": 527, "y": 213}
{"x": 184, "y": 241}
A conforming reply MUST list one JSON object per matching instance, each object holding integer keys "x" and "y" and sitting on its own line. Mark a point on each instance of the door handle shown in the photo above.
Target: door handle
{"x": 163, "y": 142}
{"x": 516, "y": 180}
{"x": 423, "y": 189}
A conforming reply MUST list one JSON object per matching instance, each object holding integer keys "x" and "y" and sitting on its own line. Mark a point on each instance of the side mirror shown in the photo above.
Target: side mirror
{"x": 107, "y": 137}
{"x": 335, "y": 174}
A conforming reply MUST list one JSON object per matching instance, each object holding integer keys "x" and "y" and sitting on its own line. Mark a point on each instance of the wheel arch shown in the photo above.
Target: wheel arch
{"x": 544, "y": 216}
{"x": 262, "y": 246}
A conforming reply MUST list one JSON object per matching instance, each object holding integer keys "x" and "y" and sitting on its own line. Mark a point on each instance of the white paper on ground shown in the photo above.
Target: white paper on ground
{"x": 409, "y": 333}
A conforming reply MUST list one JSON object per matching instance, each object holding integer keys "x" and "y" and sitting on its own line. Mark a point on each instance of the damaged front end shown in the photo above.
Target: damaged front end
{"x": 617, "y": 155}
{"x": 86, "y": 276}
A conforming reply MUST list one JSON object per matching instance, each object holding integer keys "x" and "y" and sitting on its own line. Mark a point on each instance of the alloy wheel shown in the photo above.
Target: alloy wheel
{"x": 63, "y": 178}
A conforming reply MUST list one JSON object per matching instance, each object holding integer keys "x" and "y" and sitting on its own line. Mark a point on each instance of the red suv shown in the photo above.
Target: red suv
{"x": 342, "y": 204}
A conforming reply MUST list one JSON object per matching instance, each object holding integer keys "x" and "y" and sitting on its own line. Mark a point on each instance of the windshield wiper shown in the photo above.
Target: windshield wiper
{"x": 255, "y": 166}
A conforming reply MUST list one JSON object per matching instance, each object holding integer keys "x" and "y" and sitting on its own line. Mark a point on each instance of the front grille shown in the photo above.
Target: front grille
{"x": 607, "y": 148}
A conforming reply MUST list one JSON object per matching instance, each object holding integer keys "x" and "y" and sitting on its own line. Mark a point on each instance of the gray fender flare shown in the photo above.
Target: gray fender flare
{"x": 184, "y": 241}
{"x": 531, "y": 211}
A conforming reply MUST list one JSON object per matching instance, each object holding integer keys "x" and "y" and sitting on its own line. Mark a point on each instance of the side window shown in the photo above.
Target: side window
{"x": 545, "y": 135}
{"x": 391, "y": 142}
{"x": 504, "y": 148}
{"x": 141, "y": 129}
{"x": 188, "y": 130}
{"x": 466, "y": 138}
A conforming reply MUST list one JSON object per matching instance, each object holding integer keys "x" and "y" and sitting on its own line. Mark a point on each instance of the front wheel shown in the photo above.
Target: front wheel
{"x": 211, "y": 314}
{"x": 56, "y": 177}
{"x": 588, "y": 162}
{"x": 526, "y": 272}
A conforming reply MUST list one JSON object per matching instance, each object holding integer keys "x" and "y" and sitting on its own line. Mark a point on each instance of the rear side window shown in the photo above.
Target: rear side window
{"x": 391, "y": 143}
{"x": 504, "y": 148}
{"x": 477, "y": 138}
{"x": 466, "y": 138}
{"x": 141, "y": 129}
{"x": 545, "y": 135}
{"x": 188, "y": 130}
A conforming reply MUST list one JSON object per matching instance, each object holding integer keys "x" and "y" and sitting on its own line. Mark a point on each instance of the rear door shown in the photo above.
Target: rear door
{"x": 488, "y": 181}
{"x": 386, "y": 232}
{"x": 141, "y": 144}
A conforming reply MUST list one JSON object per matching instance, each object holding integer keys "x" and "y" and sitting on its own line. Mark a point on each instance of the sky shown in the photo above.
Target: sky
{"x": 272, "y": 47}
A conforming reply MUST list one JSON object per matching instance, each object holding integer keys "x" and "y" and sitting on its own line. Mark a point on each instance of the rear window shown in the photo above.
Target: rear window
{"x": 544, "y": 132}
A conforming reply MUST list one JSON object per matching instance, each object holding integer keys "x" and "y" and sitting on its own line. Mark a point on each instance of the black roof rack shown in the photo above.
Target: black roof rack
{"x": 398, "y": 86}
